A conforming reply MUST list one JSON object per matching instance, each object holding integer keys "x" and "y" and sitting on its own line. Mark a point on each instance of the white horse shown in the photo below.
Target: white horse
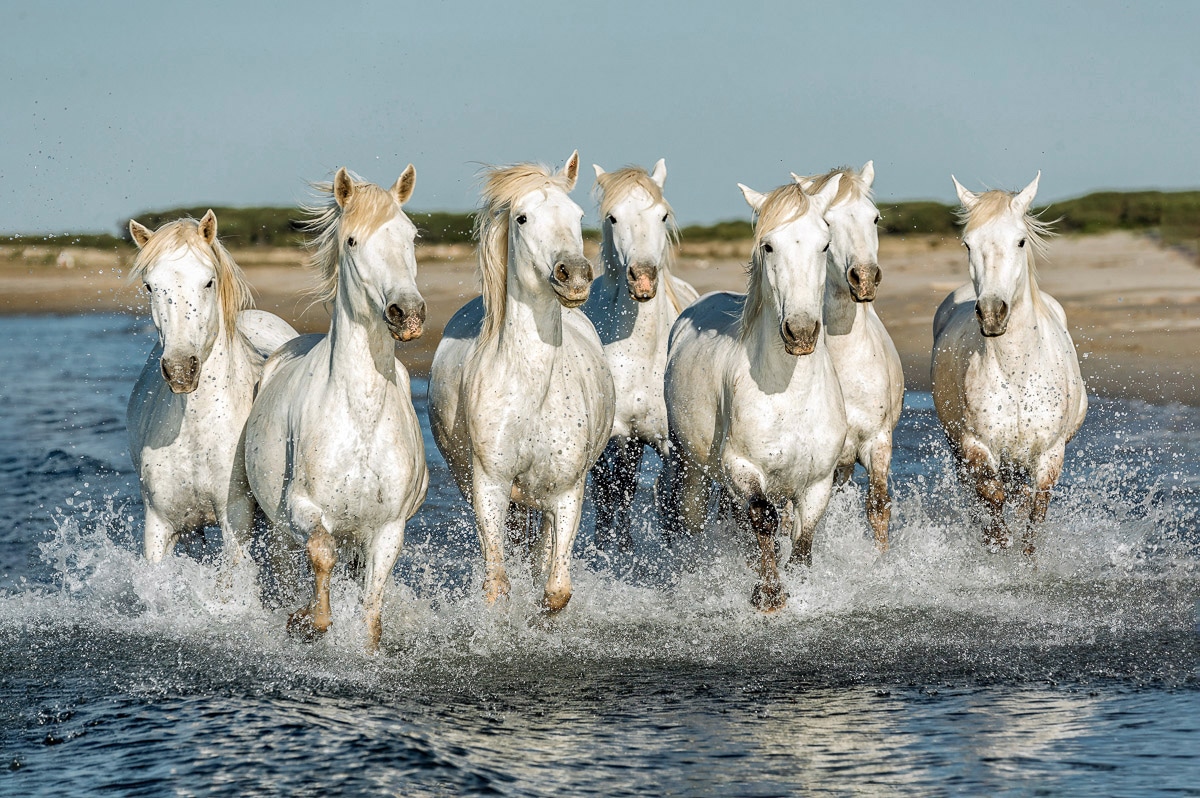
{"x": 190, "y": 403}
{"x": 752, "y": 395}
{"x": 520, "y": 396}
{"x": 867, "y": 363}
{"x": 633, "y": 318}
{"x": 334, "y": 451}
{"x": 1006, "y": 380}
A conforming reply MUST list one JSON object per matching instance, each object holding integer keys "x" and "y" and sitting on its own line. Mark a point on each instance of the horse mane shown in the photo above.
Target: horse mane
{"x": 615, "y": 186}
{"x": 330, "y": 225}
{"x": 995, "y": 203}
{"x": 783, "y": 205}
{"x": 233, "y": 291}
{"x": 851, "y": 188}
{"x": 502, "y": 186}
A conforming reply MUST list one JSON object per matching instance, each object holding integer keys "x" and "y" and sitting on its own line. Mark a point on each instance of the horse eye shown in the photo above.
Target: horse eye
{"x": 210, "y": 284}
{"x": 522, "y": 219}
{"x": 665, "y": 215}
{"x": 1021, "y": 243}
{"x": 350, "y": 241}
{"x": 768, "y": 248}
{"x": 826, "y": 249}
{"x": 149, "y": 290}
{"x": 877, "y": 218}
{"x": 968, "y": 246}
{"x": 612, "y": 219}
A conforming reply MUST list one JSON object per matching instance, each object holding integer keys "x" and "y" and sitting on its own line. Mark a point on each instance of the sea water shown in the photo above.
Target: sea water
{"x": 939, "y": 668}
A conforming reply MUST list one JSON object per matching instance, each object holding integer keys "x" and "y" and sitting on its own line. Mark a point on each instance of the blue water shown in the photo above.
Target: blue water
{"x": 938, "y": 669}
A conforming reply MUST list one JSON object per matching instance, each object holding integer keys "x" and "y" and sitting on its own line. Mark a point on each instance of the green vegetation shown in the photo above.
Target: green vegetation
{"x": 1173, "y": 216}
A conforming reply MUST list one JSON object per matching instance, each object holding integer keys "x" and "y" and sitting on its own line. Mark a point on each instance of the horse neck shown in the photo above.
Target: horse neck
{"x": 533, "y": 325}
{"x": 841, "y": 315}
{"x": 770, "y": 363}
{"x": 358, "y": 338}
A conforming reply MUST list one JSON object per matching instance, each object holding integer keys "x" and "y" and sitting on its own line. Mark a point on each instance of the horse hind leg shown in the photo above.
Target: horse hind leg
{"x": 309, "y": 623}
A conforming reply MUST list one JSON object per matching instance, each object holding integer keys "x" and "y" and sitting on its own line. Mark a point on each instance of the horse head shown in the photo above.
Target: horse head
{"x": 853, "y": 257}
{"x": 636, "y": 225}
{"x": 788, "y": 263}
{"x": 998, "y": 235}
{"x": 376, "y": 252}
{"x": 195, "y": 290}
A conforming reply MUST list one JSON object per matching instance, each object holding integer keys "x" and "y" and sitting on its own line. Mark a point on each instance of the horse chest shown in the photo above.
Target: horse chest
{"x": 1018, "y": 404}
{"x": 871, "y": 380}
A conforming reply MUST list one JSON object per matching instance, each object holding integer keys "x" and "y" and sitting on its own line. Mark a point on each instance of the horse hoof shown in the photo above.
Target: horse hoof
{"x": 768, "y": 599}
{"x": 553, "y": 603}
{"x": 303, "y": 627}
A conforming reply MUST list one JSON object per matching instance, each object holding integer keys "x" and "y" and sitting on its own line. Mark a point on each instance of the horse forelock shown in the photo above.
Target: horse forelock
{"x": 502, "y": 187}
{"x": 782, "y": 206}
{"x": 233, "y": 290}
{"x": 996, "y": 203}
{"x": 851, "y": 189}
{"x": 329, "y": 224}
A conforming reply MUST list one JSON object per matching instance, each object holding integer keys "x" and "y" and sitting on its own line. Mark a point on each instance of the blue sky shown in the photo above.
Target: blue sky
{"x": 108, "y": 109}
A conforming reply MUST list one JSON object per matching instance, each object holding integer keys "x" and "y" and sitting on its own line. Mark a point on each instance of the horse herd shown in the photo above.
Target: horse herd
{"x": 757, "y": 402}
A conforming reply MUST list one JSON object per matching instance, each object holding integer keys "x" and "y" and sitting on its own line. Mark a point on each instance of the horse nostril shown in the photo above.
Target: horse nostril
{"x": 854, "y": 279}
{"x": 787, "y": 331}
{"x": 978, "y": 311}
{"x": 193, "y": 365}
{"x": 162, "y": 365}
{"x": 394, "y": 314}
{"x": 1003, "y": 314}
{"x": 561, "y": 273}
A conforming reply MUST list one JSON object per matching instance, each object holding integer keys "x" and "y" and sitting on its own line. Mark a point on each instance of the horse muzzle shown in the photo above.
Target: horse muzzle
{"x": 643, "y": 282}
{"x": 993, "y": 316}
{"x": 572, "y": 281}
{"x": 800, "y": 337}
{"x": 864, "y": 280}
{"x": 182, "y": 374}
{"x": 405, "y": 321}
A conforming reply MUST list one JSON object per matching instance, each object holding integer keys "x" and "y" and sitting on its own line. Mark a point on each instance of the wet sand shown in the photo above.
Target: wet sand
{"x": 1133, "y": 306}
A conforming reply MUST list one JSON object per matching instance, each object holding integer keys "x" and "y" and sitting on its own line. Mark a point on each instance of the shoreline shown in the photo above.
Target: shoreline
{"x": 1133, "y": 306}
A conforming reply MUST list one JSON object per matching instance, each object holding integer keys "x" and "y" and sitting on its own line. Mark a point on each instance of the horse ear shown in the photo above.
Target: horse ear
{"x": 1022, "y": 201}
{"x": 570, "y": 170}
{"x": 867, "y": 175}
{"x": 967, "y": 199}
{"x": 139, "y": 232}
{"x": 659, "y": 173}
{"x": 753, "y": 198}
{"x": 824, "y": 198}
{"x": 805, "y": 183}
{"x": 599, "y": 170}
{"x": 208, "y": 227}
{"x": 404, "y": 184}
{"x": 343, "y": 187}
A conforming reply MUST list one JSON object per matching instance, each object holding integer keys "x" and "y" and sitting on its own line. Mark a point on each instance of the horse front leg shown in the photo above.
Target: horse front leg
{"x": 617, "y": 471}
{"x": 761, "y": 518}
{"x": 160, "y": 534}
{"x": 978, "y": 469}
{"x": 879, "y": 501}
{"x": 1045, "y": 477}
{"x": 809, "y": 511}
{"x": 683, "y": 504}
{"x": 490, "y": 499}
{"x": 562, "y": 526}
{"x": 312, "y": 621}
{"x": 381, "y": 559}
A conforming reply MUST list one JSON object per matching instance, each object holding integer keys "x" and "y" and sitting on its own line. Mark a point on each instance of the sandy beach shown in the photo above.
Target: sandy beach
{"x": 1133, "y": 306}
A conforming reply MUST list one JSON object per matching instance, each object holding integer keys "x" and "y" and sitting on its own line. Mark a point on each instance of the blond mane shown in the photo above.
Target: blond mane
{"x": 502, "y": 186}
{"x": 782, "y": 206}
{"x": 993, "y": 204}
{"x": 329, "y": 224}
{"x": 852, "y": 187}
{"x": 233, "y": 292}
{"x": 614, "y": 187}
